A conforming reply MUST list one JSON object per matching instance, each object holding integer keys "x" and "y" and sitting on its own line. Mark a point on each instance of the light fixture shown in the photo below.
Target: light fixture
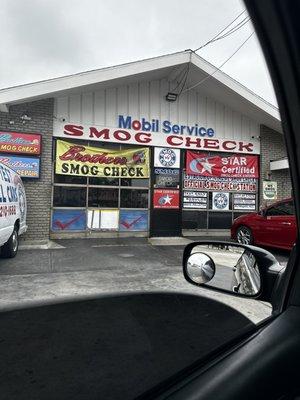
{"x": 171, "y": 96}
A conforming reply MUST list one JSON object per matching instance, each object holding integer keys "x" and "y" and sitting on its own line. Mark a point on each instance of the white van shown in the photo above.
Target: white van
{"x": 12, "y": 211}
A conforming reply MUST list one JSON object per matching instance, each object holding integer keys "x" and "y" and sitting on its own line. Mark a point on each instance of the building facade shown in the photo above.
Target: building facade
{"x": 119, "y": 159}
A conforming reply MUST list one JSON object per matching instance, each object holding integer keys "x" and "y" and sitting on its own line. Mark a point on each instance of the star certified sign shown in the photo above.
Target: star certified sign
{"x": 234, "y": 166}
{"x": 166, "y": 157}
{"x": 206, "y": 165}
{"x": 166, "y": 198}
{"x": 163, "y": 200}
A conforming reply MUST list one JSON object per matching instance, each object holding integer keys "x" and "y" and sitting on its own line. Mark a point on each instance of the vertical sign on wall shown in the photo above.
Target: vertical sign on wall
{"x": 270, "y": 190}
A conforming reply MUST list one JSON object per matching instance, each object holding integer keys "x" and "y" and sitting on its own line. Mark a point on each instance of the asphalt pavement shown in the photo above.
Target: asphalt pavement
{"x": 88, "y": 267}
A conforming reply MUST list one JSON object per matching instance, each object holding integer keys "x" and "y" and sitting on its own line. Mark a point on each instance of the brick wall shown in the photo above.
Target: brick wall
{"x": 38, "y": 192}
{"x": 272, "y": 148}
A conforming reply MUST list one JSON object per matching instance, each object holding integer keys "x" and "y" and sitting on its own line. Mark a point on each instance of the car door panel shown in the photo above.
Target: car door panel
{"x": 109, "y": 347}
{"x": 265, "y": 366}
{"x": 277, "y": 226}
{"x": 258, "y": 227}
{"x": 275, "y": 231}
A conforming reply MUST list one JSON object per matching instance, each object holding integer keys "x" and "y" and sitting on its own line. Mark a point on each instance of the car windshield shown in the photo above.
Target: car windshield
{"x": 128, "y": 131}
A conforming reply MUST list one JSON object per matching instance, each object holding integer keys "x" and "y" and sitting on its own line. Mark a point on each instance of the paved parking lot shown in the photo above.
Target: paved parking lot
{"x": 92, "y": 266}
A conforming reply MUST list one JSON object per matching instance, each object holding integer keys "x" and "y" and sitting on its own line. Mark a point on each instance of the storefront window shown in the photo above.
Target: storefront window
{"x": 76, "y": 180}
{"x": 219, "y": 220}
{"x": 69, "y": 197}
{"x": 99, "y": 197}
{"x": 104, "y": 181}
{"x": 134, "y": 198}
{"x": 194, "y": 219}
{"x": 135, "y": 182}
{"x": 102, "y": 196}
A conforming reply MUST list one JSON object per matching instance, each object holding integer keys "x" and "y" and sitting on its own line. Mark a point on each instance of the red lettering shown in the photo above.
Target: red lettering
{"x": 142, "y": 137}
{"x": 71, "y": 153}
{"x": 211, "y": 144}
{"x": 74, "y": 153}
{"x": 104, "y": 132}
{"x": 73, "y": 130}
{"x": 171, "y": 140}
{"x": 247, "y": 146}
{"x": 190, "y": 141}
{"x": 136, "y": 125}
{"x": 226, "y": 145}
{"x": 118, "y": 135}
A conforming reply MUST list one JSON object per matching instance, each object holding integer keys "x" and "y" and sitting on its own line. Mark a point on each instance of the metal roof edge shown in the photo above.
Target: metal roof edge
{"x": 48, "y": 86}
{"x": 236, "y": 86}
{"x": 51, "y": 86}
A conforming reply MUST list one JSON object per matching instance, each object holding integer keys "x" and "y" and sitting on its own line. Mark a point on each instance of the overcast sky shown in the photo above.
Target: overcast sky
{"x": 43, "y": 39}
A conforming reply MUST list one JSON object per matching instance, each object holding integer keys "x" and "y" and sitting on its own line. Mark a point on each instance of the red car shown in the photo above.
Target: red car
{"x": 274, "y": 226}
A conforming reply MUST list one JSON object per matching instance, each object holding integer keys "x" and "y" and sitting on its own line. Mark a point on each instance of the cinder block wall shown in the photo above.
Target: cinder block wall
{"x": 38, "y": 191}
{"x": 272, "y": 148}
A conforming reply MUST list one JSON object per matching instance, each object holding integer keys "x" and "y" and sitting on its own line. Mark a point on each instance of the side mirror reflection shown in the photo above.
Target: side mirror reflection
{"x": 200, "y": 267}
{"x": 228, "y": 267}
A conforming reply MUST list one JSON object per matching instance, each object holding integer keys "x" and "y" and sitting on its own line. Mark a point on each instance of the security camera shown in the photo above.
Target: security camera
{"x": 25, "y": 117}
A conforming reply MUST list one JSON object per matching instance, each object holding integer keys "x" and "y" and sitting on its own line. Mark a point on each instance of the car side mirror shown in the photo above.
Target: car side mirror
{"x": 240, "y": 270}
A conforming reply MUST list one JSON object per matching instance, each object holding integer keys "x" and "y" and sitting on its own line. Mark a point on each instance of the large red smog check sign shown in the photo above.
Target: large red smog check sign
{"x": 132, "y": 136}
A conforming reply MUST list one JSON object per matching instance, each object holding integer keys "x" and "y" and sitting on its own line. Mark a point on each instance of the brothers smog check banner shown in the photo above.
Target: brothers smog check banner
{"x": 236, "y": 166}
{"x": 73, "y": 159}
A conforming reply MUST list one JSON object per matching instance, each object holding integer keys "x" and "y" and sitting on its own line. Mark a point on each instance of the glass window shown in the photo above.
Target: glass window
{"x": 219, "y": 220}
{"x": 135, "y": 182}
{"x": 194, "y": 219}
{"x": 134, "y": 198}
{"x": 76, "y": 180}
{"x": 103, "y": 197}
{"x": 104, "y": 181}
{"x": 281, "y": 209}
{"x": 167, "y": 181}
{"x": 69, "y": 196}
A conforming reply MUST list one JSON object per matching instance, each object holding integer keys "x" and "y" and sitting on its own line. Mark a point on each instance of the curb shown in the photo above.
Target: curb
{"x": 39, "y": 245}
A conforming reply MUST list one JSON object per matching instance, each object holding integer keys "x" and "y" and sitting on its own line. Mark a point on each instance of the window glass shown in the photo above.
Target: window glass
{"x": 69, "y": 197}
{"x": 134, "y": 198}
{"x": 194, "y": 219}
{"x": 219, "y": 220}
{"x": 76, "y": 180}
{"x": 281, "y": 209}
{"x": 99, "y": 197}
{"x": 135, "y": 182}
{"x": 291, "y": 208}
{"x": 104, "y": 181}
{"x": 167, "y": 181}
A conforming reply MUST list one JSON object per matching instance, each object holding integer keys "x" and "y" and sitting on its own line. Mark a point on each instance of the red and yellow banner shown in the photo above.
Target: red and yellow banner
{"x": 79, "y": 160}
{"x": 20, "y": 143}
{"x": 236, "y": 166}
